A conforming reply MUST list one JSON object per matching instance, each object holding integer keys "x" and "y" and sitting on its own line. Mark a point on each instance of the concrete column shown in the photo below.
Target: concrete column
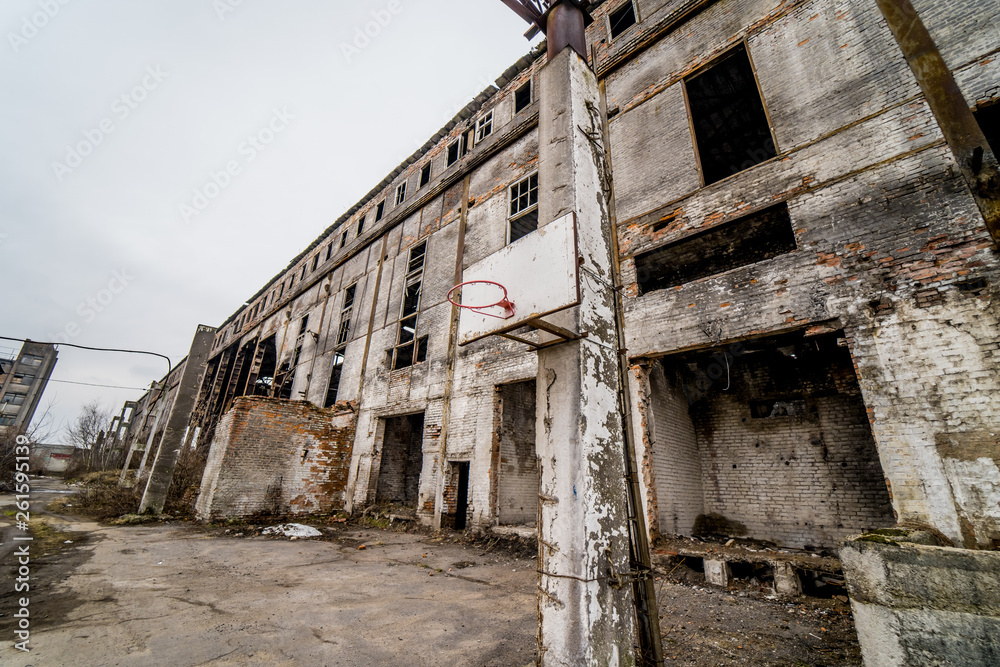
{"x": 585, "y": 601}
{"x": 155, "y": 494}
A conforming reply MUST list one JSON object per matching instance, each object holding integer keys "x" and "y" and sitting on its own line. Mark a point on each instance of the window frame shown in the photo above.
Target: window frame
{"x": 529, "y": 84}
{"x": 400, "y": 193}
{"x": 379, "y": 213}
{"x": 416, "y": 345}
{"x": 484, "y": 122}
{"x": 425, "y": 175}
{"x": 607, "y": 18}
{"x": 511, "y": 217}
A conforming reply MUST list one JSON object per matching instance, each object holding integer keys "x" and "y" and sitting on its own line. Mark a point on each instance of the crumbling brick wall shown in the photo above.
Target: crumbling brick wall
{"x": 272, "y": 455}
{"x": 517, "y": 471}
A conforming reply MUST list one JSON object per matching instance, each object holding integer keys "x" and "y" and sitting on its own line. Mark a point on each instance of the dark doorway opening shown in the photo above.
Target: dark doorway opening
{"x": 517, "y": 462}
{"x": 462, "y": 494}
{"x": 402, "y": 458}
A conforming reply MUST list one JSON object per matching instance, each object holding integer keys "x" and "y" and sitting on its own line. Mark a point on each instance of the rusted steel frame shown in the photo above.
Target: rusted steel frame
{"x": 963, "y": 134}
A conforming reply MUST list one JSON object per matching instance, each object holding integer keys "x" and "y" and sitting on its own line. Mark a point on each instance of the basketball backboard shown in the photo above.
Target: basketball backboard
{"x": 540, "y": 272}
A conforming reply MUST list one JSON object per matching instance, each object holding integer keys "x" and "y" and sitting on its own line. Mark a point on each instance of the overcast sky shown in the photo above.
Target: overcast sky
{"x": 116, "y": 116}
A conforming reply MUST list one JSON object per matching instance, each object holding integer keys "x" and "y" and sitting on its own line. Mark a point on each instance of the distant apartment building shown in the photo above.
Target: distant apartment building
{"x": 22, "y": 381}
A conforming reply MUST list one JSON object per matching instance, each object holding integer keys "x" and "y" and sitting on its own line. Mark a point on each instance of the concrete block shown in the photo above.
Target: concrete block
{"x": 717, "y": 573}
{"x": 923, "y": 605}
{"x": 786, "y": 580}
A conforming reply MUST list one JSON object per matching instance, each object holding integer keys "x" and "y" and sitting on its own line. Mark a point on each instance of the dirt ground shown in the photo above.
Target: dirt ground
{"x": 183, "y": 594}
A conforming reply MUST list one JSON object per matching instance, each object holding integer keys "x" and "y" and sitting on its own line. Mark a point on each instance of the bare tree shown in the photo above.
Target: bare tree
{"x": 90, "y": 433}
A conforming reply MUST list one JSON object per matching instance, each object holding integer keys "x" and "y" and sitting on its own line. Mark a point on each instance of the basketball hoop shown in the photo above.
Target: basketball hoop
{"x": 504, "y": 302}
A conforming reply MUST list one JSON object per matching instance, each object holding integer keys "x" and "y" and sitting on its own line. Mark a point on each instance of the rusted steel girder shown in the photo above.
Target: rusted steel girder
{"x": 964, "y": 136}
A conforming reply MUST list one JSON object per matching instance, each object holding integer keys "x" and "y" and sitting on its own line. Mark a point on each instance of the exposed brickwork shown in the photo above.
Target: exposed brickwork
{"x": 517, "y": 471}
{"x": 270, "y": 455}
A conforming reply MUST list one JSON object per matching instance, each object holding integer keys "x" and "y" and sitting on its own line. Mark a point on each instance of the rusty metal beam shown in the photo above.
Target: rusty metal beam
{"x": 963, "y": 134}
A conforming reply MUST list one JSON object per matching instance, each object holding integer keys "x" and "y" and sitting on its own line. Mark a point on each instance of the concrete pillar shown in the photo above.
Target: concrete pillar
{"x": 786, "y": 580}
{"x": 155, "y": 494}
{"x": 717, "y": 573}
{"x": 585, "y": 601}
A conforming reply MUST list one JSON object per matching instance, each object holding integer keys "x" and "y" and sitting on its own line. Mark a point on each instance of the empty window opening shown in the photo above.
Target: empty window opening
{"x": 303, "y": 276}
{"x": 401, "y": 460}
{"x": 425, "y": 175}
{"x": 453, "y": 151}
{"x": 346, "y": 310}
{"x": 748, "y": 240}
{"x": 315, "y": 262}
{"x": 484, "y": 126}
{"x": 622, "y": 19}
{"x": 467, "y": 140}
{"x": 456, "y": 496}
{"x": 523, "y": 212}
{"x": 811, "y": 477}
{"x": 263, "y": 382}
{"x": 522, "y": 97}
{"x": 329, "y": 251}
{"x": 400, "y": 193}
{"x": 517, "y": 464}
{"x": 379, "y": 212}
{"x": 343, "y": 240}
{"x": 410, "y": 348}
{"x": 727, "y": 112}
{"x": 988, "y": 118}
{"x": 334, "y": 386}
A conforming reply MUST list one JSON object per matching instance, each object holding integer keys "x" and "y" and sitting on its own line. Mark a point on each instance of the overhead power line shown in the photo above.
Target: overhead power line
{"x": 109, "y": 386}
{"x": 96, "y": 349}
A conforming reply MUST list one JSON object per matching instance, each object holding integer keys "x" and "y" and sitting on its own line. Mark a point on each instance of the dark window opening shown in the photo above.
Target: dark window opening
{"x": 315, "y": 262}
{"x": 343, "y": 240}
{"x": 264, "y": 383}
{"x": 750, "y": 239}
{"x": 522, "y": 97}
{"x": 421, "y": 349}
{"x": 411, "y": 299}
{"x": 400, "y": 193}
{"x": 425, "y": 175}
{"x": 730, "y": 125}
{"x": 622, "y": 19}
{"x": 303, "y": 276}
{"x": 524, "y": 225}
{"x": 989, "y": 122}
{"x": 379, "y": 211}
{"x": 467, "y": 139}
{"x": 453, "y": 151}
{"x": 461, "y": 472}
{"x": 329, "y": 251}
{"x": 334, "y": 386}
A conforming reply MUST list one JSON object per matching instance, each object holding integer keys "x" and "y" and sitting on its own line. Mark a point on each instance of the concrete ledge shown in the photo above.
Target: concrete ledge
{"x": 923, "y": 605}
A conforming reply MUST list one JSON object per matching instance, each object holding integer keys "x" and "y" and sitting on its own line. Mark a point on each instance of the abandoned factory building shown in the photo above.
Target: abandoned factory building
{"x": 810, "y": 290}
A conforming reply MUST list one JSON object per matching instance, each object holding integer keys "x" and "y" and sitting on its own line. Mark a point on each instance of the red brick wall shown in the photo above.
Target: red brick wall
{"x": 272, "y": 455}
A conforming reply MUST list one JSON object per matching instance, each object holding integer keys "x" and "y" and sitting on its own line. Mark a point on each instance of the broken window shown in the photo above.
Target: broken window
{"x": 379, "y": 212}
{"x": 727, "y": 112}
{"x": 467, "y": 140}
{"x": 329, "y": 251}
{"x": 31, "y": 360}
{"x": 343, "y": 240}
{"x": 23, "y": 378}
{"x": 334, "y": 386}
{"x": 522, "y": 97}
{"x": 988, "y": 118}
{"x": 425, "y": 175}
{"x": 315, "y": 261}
{"x": 6, "y": 420}
{"x": 12, "y": 399}
{"x": 753, "y": 238}
{"x": 400, "y": 193}
{"x": 409, "y": 348}
{"x": 453, "y": 151}
{"x": 622, "y": 19}
{"x": 344, "y": 332}
{"x": 523, "y": 215}
{"x": 484, "y": 126}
